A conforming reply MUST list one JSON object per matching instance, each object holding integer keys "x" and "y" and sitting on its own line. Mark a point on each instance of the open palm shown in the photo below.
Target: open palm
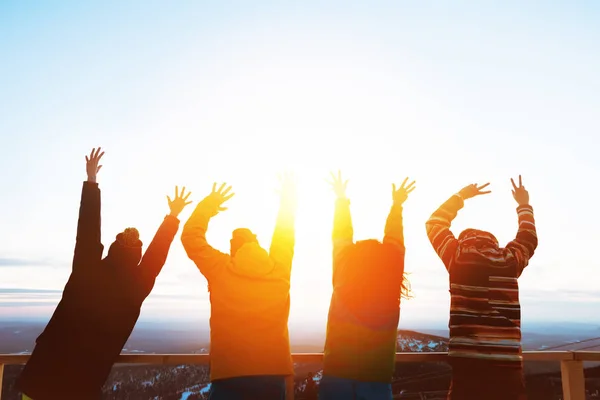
{"x": 179, "y": 202}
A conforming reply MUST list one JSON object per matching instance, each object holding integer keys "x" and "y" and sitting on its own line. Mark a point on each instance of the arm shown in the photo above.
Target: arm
{"x": 284, "y": 239}
{"x": 208, "y": 259}
{"x": 524, "y": 245}
{"x": 438, "y": 229}
{"x": 394, "y": 229}
{"x": 156, "y": 255}
{"x": 88, "y": 247}
{"x": 343, "y": 232}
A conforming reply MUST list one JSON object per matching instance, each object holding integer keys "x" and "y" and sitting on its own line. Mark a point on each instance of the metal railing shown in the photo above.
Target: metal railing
{"x": 571, "y": 362}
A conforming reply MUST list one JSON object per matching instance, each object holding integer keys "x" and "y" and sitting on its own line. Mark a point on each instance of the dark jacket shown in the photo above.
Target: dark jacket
{"x": 99, "y": 308}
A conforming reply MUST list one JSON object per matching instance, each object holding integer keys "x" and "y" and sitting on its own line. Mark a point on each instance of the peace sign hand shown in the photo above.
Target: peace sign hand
{"x": 473, "y": 190}
{"x": 519, "y": 193}
{"x": 401, "y": 194}
{"x": 179, "y": 202}
{"x": 91, "y": 164}
{"x": 218, "y": 197}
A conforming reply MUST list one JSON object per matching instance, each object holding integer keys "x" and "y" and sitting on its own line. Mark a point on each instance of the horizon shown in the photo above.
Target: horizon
{"x": 236, "y": 93}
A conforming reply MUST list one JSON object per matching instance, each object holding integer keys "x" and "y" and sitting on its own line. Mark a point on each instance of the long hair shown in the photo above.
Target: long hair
{"x": 370, "y": 274}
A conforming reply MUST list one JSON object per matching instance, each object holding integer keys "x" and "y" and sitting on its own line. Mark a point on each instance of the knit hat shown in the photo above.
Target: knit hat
{"x": 130, "y": 237}
{"x": 126, "y": 251}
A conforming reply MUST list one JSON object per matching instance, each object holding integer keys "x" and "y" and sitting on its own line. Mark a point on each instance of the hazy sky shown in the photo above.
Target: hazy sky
{"x": 186, "y": 93}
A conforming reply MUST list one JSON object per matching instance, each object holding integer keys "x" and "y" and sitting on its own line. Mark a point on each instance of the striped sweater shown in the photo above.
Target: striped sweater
{"x": 485, "y": 314}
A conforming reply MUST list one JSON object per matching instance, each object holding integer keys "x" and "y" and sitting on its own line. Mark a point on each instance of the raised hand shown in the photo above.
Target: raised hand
{"x": 401, "y": 194}
{"x": 218, "y": 197}
{"x": 473, "y": 190}
{"x": 91, "y": 164}
{"x": 179, "y": 202}
{"x": 338, "y": 185}
{"x": 519, "y": 193}
{"x": 287, "y": 189}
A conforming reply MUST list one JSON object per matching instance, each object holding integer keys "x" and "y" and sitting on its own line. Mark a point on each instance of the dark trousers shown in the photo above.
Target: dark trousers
{"x": 263, "y": 387}
{"x": 474, "y": 380}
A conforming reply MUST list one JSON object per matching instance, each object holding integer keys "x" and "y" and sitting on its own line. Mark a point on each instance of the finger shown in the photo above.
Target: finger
{"x": 393, "y": 188}
{"x": 483, "y": 186}
{"x": 339, "y": 175}
{"x": 410, "y": 185}
{"x": 228, "y": 197}
{"x": 98, "y": 169}
{"x": 345, "y": 184}
{"x": 169, "y": 199}
{"x": 513, "y": 183}
{"x": 333, "y": 179}
{"x": 189, "y": 202}
{"x": 520, "y": 181}
{"x": 182, "y": 191}
{"x": 486, "y": 192}
{"x": 214, "y": 189}
{"x": 226, "y": 191}
{"x": 221, "y": 188}
{"x": 176, "y": 191}
{"x": 222, "y": 208}
{"x": 513, "y": 192}
{"x": 92, "y": 153}
{"x": 411, "y": 189}
{"x": 404, "y": 182}
{"x": 87, "y": 160}
{"x": 100, "y": 156}
{"x": 186, "y": 196}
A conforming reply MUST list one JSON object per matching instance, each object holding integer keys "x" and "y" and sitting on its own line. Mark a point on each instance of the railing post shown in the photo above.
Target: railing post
{"x": 573, "y": 381}
{"x": 1, "y": 378}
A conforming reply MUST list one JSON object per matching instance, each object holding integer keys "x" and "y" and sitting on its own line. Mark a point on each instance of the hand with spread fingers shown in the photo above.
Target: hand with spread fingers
{"x": 473, "y": 190}
{"x": 219, "y": 196}
{"x": 401, "y": 194}
{"x": 91, "y": 164}
{"x": 179, "y": 202}
{"x": 519, "y": 193}
{"x": 338, "y": 185}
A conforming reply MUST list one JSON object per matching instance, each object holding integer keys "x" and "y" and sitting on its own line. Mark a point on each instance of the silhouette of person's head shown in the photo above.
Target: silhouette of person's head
{"x": 126, "y": 250}
{"x": 240, "y": 237}
{"x": 371, "y": 277}
{"x": 478, "y": 239}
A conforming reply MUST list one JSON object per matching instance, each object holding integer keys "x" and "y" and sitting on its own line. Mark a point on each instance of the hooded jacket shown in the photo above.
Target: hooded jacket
{"x": 249, "y": 295}
{"x": 362, "y": 326}
{"x": 485, "y": 313}
{"x": 99, "y": 308}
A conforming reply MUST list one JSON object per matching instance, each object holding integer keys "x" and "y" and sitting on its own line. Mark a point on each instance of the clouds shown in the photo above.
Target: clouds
{"x": 27, "y": 262}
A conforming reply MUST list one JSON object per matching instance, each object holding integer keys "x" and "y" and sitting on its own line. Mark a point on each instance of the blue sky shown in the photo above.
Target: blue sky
{"x": 448, "y": 93}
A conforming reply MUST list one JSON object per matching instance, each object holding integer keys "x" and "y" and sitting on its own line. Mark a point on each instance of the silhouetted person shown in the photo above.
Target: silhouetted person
{"x": 100, "y": 304}
{"x": 485, "y": 314}
{"x": 250, "y": 301}
{"x": 368, "y": 282}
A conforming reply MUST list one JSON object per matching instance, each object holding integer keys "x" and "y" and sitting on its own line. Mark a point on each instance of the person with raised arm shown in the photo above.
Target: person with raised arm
{"x": 368, "y": 283}
{"x": 100, "y": 304}
{"x": 485, "y": 313}
{"x": 250, "y": 300}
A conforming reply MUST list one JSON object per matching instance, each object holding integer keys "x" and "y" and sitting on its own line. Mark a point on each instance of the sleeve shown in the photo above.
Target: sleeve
{"x": 284, "y": 240}
{"x": 343, "y": 232}
{"x": 524, "y": 245}
{"x": 208, "y": 259}
{"x": 438, "y": 229}
{"x": 156, "y": 255}
{"x": 394, "y": 229}
{"x": 88, "y": 246}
